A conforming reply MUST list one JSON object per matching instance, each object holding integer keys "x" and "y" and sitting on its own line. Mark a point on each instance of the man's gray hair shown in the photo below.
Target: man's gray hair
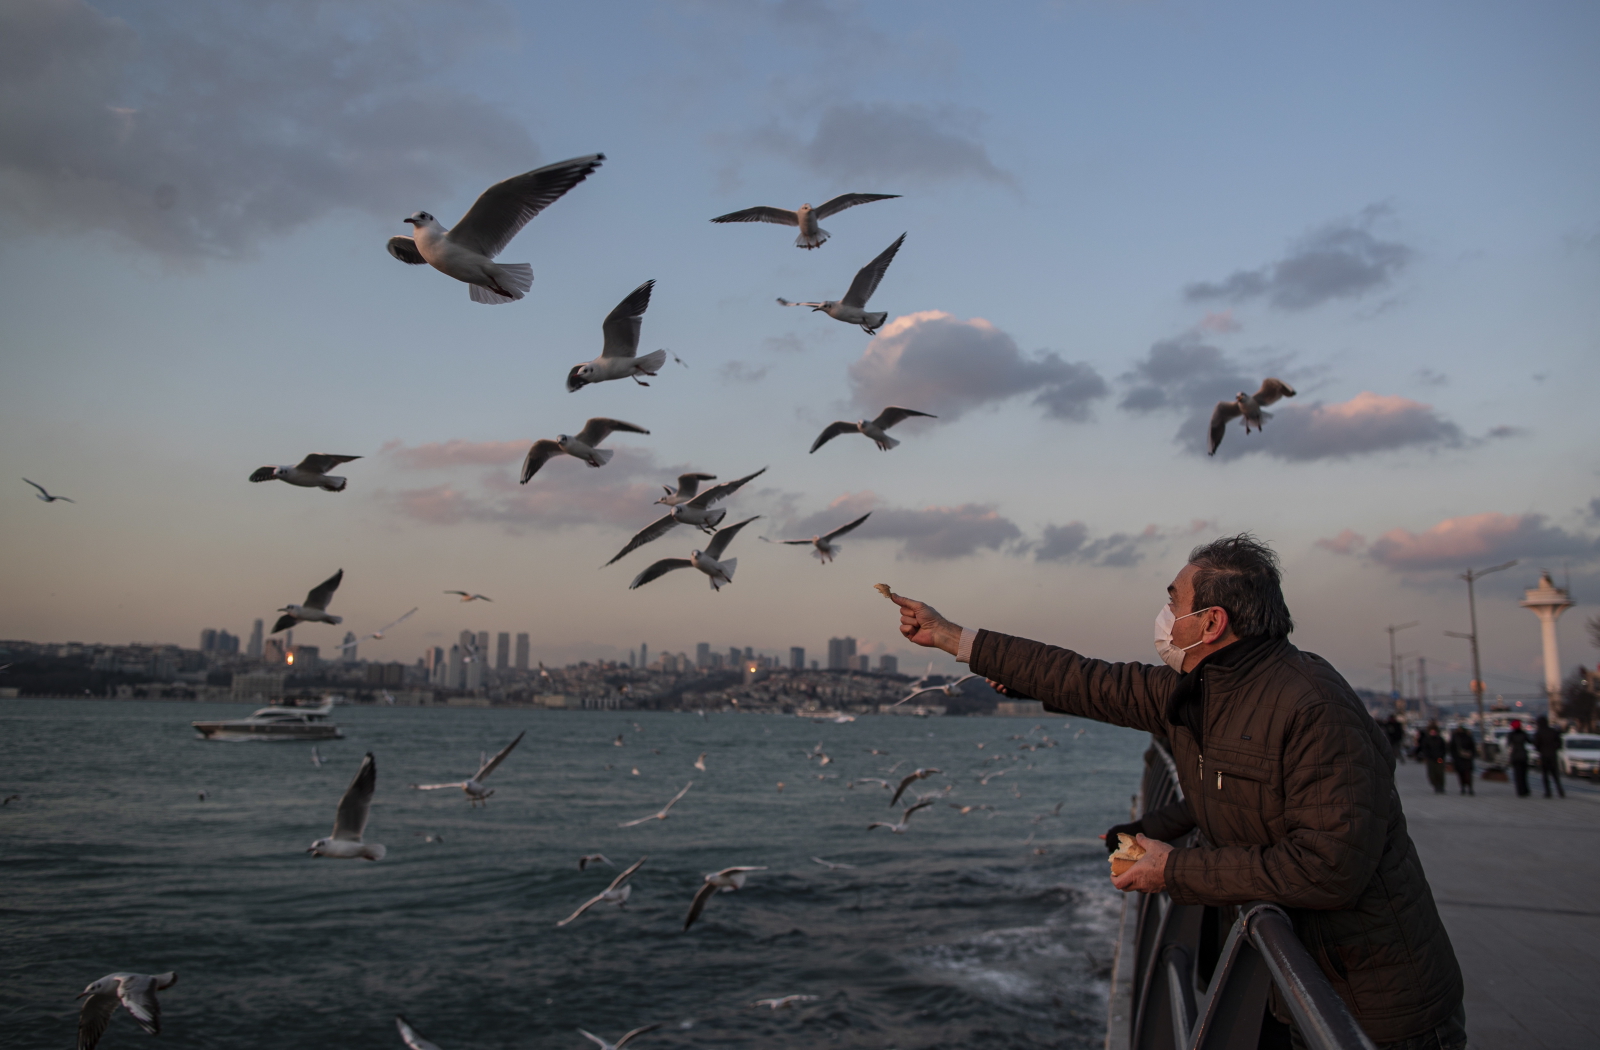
{"x": 1241, "y": 575}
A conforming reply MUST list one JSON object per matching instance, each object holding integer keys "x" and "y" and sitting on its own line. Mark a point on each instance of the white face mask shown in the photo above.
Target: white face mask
{"x": 1170, "y": 654}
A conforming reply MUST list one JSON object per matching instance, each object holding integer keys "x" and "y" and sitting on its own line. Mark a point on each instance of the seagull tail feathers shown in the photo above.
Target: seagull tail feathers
{"x": 888, "y": 442}
{"x": 374, "y": 851}
{"x": 603, "y": 455}
{"x": 728, "y": 567}
{"x": 806, "y": 240}
{"x": 332, "y": 484}
{"x": 874, "y": 322}
{"x": 488, "y": 296}
{"x": 650, "y": 364}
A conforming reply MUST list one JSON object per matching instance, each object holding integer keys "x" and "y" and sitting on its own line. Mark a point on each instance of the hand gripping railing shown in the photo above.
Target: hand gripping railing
{"x": 1190, "y": 993}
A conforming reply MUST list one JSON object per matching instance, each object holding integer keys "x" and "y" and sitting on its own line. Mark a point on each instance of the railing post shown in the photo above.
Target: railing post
{"x": 1323, "y": 1019}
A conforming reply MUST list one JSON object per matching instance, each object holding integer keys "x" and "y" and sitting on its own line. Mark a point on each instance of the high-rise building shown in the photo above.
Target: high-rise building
{"x": 888, "y": 664}
{"x": 272, "y": 651}
{"x": 502, "y": 651}
{"x": 861, "y": 663}
{"x": 456, "y": 675}
{"x": 307, "y": 659}
{"x": 208, "y": 640}
{"x": 227, "y": 643}
{"x": 749, "y": 653}
{"x": 348, "y": 650}
{"x": 841, "y": 652}
{"x": 483, "y": 648}
{"x": 255, "y": 641}
{"x": 522, "y": 651}
{"x": 797, "y": 658}
{"x": 735, "y": 655}
{"x": 475, "y": 673}
{"x": 434, "y": 663}
{"x": 644, "y": 655}
{"x": 702, "y": 654}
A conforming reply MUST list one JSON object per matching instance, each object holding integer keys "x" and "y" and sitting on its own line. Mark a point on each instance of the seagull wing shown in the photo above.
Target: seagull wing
{"x": 284, "y": 623}
{"x": 720, "y": 541}
{"x": 698, "y": 905}
{"x": 833, "y": 431}
{"x": 590, "y": 1035}
{"x": 599, "y": 428}
{"x": 585, "y": 906}
{"x": 894, "y": 414}
{"x": 489, "y": 766}
{"x": 841, "y": 530}
{"x": 321, "y": 462}
{"x": 676, "y": 797}
{"x": 93, "y": 1017}
{"x": 405, "y": 249}
{"x": 42, "y": 491}
{"x": 849, "y": 200}
{"x": 1221, "y": 416}
{"x": 689, "y": 484}
{"x": 790, "y": 542}
{"x": 396, "y": 623}
{"x": 917, "y": 693}
{"x": 658, "y": 570}
{"x": 537, "y": 456}
{"x": 868, "y": 276}
{"x": 907, "y": 782}
{"x": 621, "y": 326}
{"x": 259, "y": 474}
{"x": 762, "y": 214}
{"x": 322, "y": 593}
{"x": 620, "y": 879}
{"x": 735, "y": 871}
{"x": 653, "y": 531}
{"x": 924, "y": 804}
{"x": 723, "y": 491}
{"x": 1271, "y": 390}
{"x": 506, "y": 207}
{"x": 408, "y": 1035}
{"x": 637, "y": 1031}
{"x": 439, "y": 787}
{"x": 351, "y": 820}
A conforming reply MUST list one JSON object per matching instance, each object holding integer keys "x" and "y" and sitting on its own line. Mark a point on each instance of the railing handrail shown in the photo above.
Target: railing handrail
{"x": 1169, "y": 951}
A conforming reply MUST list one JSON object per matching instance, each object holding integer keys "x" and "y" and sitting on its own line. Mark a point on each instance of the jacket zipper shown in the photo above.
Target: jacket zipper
{"x": 1219, "y": 780}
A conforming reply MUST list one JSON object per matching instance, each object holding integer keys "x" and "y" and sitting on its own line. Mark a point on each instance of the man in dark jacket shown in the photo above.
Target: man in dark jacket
{"x": 1286, "y": 775}
{"x": 1432, "y": 751}
{"x": 1395, "y": 730}
{"x": 1463, "y": 751}
{"x": 1517, "y": 742}
{"x": 1547, "y": 741}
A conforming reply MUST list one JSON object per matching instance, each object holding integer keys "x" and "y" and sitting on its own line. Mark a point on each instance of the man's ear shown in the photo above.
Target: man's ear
{"x": 1216, "y": 624}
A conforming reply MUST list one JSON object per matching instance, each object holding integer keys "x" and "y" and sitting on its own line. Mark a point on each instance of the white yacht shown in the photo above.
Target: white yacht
{"x": 276, "y": 723}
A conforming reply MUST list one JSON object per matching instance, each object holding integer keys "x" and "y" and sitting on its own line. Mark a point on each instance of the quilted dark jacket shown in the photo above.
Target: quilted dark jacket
{"x": 1294, "y": 792}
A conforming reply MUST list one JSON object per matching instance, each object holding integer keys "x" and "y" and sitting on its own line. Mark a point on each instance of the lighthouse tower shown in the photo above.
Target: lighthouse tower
{"x": 1548, "y": 602}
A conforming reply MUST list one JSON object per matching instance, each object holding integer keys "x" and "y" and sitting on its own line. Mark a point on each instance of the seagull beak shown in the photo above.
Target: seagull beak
{"x": 81, "y": 994}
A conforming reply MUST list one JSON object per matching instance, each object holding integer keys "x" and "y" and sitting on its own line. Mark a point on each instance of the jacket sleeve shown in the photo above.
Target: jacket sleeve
{"x": 1132, "y": 695}
{"x": 1336, "y": 813}
{"x": 1172, "y": 821}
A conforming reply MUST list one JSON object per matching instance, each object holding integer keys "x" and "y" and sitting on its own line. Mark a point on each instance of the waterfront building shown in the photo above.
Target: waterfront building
{"x": 841, "y": 653}
{"x": 502, "y": 651}
{"x": 702, "y": 655}
{"x": 888, "y": 664}
{"x": 208, "y": 640}
{"x": 797, "y": 658}
{"x": 522, "y": 651}
{"x": 347, "y": 653}
{"x": 456, "y": 673}
{"x": 862, "y": 663}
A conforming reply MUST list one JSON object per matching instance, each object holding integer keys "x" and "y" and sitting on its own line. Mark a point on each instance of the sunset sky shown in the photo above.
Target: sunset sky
{"x": 1117, "y": 214}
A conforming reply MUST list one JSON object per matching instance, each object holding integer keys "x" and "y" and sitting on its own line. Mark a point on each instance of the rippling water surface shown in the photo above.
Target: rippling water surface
{"x": 955, "y": 934}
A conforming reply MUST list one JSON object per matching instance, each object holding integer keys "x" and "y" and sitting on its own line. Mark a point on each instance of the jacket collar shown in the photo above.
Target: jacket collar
{"x": 1224, "y": 669}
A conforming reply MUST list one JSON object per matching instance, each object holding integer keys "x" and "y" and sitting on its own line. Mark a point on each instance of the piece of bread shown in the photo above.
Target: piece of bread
{"x": 1127, "y": 855}
{"x": 882, "y": 588}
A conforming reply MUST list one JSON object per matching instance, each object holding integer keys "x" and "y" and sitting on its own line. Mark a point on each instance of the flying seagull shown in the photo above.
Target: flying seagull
{"x": 473, "y": 785}
{"x": 708, "y": 561}
{"x": 315, "y": 607}
{"x": 136, "y": 992}
{"x": 468, "y": 596}
{"x": 409, "y": 1036}
{"x": 380, "y": 631}
{"x": 594, "y": 858}
{"x": 582, "y": 445}
{"x": 948, "y": 689}
{"x": 872, "y": 428}
{"x": 785, "y": 1001}
{"x": 350, "y": 822}
{"x": 811, "y": 235}
{"x": 852, "y": 309}
{"x": 698, "y": 512}
{"x": 467, "y": 251}
{"x": 617, "y": 358}
{"x": 912, "y": 778}
{"x": 726, "y": 881}
{"x": 45, "y": 496}
{"x": 620, "y": 1043}
{"x": 832, "y": 865}
{"x": 660, "y": 814}
{"x": 825, "y": 547}
{"x": 309, "y": 473}
{"x": 616, "y": 893}
{"x": 1248, "y": 406}
{"x": 905, "y": 818}
{"x": 688, "y": 488}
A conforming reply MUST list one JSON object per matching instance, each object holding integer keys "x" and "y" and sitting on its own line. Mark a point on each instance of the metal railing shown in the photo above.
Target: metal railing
{"x": 1192, "y": 977}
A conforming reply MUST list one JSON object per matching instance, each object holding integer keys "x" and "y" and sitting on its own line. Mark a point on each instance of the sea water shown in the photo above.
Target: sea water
{"x": 991, "y": 929}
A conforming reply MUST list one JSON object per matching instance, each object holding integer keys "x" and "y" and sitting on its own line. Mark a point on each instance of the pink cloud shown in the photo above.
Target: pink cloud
{"x": 1364, "y": 424}
{"x": 928, "y": 534}
{"x": 1219, "y": 322}
{"x": 1477, "y": 539}
{"x": 1347, "y": 542}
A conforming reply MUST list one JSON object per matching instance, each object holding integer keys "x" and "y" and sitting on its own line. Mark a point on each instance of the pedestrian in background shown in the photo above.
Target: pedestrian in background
{"x": 1547, "y": 741}
{"x": 1517, "y": 741}
{"x": 1463, "y": 750}
{"x": 1395, "y": 730}
{"x": 1432, "y": 751}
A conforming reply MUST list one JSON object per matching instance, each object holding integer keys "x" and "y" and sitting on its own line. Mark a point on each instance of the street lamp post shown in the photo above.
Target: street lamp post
{"x": 1394, "y": 672}
{"x": 1472, "y": 576}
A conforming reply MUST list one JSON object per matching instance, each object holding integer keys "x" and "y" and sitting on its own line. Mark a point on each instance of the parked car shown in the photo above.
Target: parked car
{"x": 1580, "y": 755}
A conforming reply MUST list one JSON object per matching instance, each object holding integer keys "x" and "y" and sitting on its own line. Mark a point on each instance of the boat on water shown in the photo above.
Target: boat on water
{"x": 279, "y": 722}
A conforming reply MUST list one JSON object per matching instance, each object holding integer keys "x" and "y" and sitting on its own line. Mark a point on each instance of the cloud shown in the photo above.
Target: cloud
{"x": 455, "y": 453}
{"x": 1478, "y": 539}
{"x": 1071, "y": 543}
{"x": 936, "y": 363}
{"x": 739, "y": 372}
{"x": 784, "y": 344}
{"x": 1505, "y": 431}
{"x": 1343, "y": 260}
{"x": 1429, "y": 377}
{"x": 885, "y": 141}
{"x": 1219, "y": 322}
{"x": 929, "y": 534}
{"x": 197, "y": 135}
{"x": 1347, "y": 542}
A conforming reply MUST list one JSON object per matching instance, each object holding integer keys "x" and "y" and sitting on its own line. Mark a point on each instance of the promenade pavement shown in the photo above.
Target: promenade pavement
{"x": 1516, "y": 883}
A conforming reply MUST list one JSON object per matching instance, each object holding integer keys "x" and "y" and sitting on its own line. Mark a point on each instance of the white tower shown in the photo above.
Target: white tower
{"x": 1548, "y": 602}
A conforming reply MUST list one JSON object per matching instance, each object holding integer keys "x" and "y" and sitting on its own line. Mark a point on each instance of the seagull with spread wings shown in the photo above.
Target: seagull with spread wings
{"x": 1248, "y": 406}
{"x": 315, "y": 608}
{"x": 872, "y": 428}
{"x": 473, "y": 785}
{"x": 380, "y": 631}
{"x": 825, "y": 547}
{"x": 616, "y": 893}
{"x": 582, "y": 445}
{"x": 309, "y": 473}
{"x": 725, "y": 881}
{"x": 660, "y": 814}
{"x": 44, "y": 495}
{"x": 899, "y": 827}
{"x": 468, "y": 596}
{"x": 467, "y": 252}
{"x": 350, "y": 822}
{"x": 708, "y": 561}
{"x": 620, "y": 1043}
{"x": 811, "y": 235}
{"x": 948, "y": 689}
{"x": 699, "y": 512}
{"x": 688, "y": 488}
{"x": 912, "y": 778}
{"x": 618, "y": 354}
{"x": 852, "y": 309}
{"x": 135, "y": 992}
